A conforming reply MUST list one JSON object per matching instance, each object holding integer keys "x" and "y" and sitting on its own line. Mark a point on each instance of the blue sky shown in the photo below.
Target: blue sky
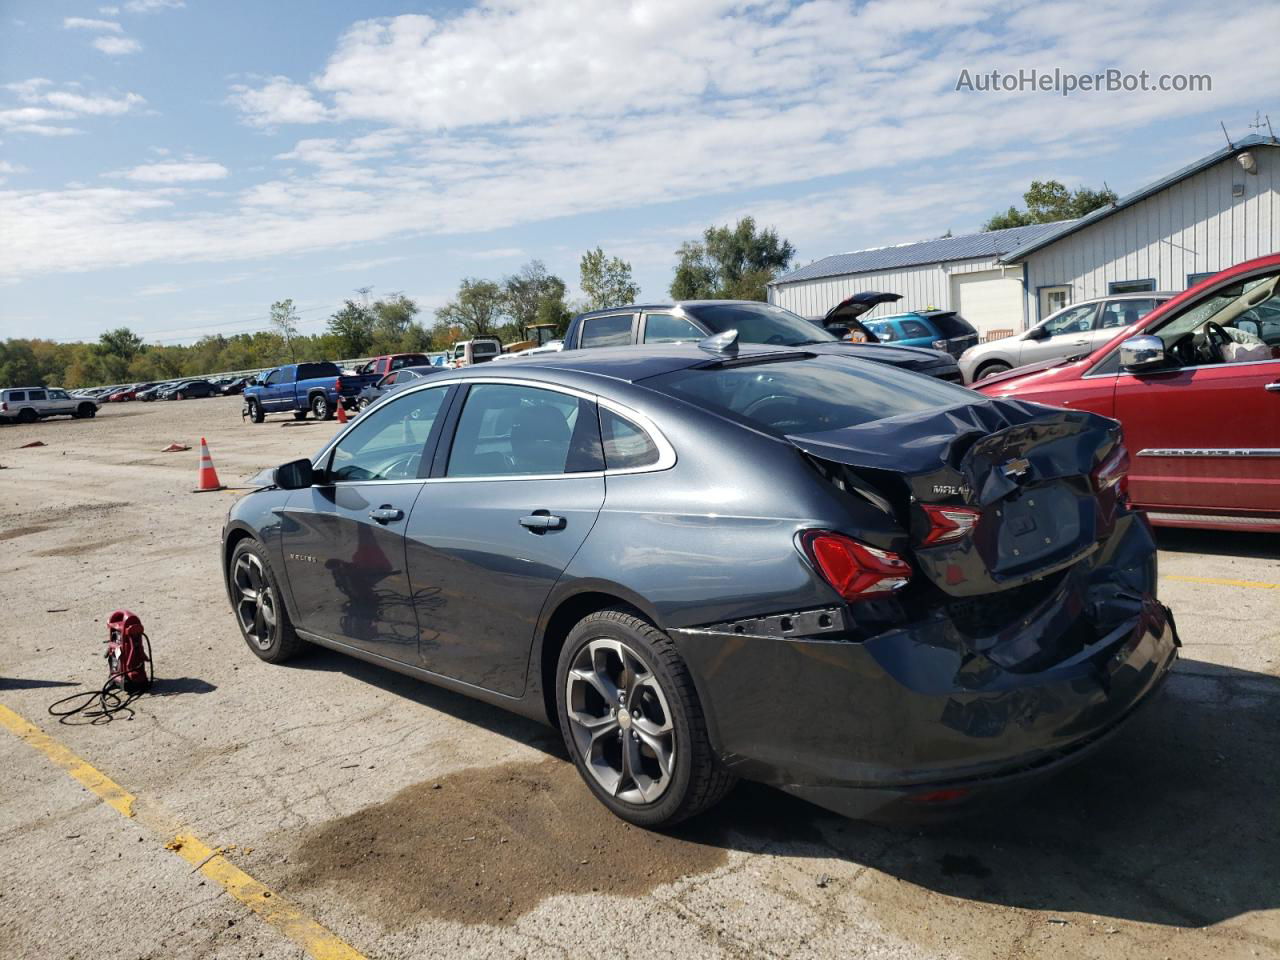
{"x": 176, "y": 167}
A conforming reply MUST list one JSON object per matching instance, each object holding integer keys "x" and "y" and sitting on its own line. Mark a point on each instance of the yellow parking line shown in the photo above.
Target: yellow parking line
{"x": 286, "y": 917}
{"x": 1225, "y": 583}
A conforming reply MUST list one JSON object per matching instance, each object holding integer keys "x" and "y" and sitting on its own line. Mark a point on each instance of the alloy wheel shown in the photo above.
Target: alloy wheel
{"x": 255, "y": 601}
{"x": 620, "y": 721}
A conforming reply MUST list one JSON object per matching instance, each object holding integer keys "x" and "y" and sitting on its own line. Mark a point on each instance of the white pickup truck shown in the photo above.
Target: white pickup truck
{"x": 29, "y": 404}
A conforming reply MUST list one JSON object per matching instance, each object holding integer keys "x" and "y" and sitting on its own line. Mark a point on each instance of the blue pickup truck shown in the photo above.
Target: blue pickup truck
{"x": 302, "y": 388}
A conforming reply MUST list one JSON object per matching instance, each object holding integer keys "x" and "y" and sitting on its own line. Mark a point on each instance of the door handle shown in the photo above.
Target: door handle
{"x": 1272, "y": 387}
{"x": 386, "y": 514}
{"x": 541, "y": 522}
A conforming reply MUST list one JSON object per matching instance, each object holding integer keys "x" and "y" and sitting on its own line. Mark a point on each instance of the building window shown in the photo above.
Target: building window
{"x": 1131, "y": 286}
{"x": 1053, "y": 299}
{"x": 1194, "y": 278}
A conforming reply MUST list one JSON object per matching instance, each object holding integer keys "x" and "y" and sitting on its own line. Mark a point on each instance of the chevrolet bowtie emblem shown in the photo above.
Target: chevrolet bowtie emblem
{"x": 1017, "y": 468}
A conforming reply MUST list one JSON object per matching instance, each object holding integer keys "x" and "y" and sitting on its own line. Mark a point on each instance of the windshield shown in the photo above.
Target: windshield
{"x": 760, "y": 323}
{"x": 812, "y": 394}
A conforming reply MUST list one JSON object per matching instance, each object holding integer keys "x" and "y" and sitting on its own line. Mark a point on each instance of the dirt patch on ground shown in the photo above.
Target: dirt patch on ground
{"x": 488, "y": 844}
{"x": 75, "y": 549}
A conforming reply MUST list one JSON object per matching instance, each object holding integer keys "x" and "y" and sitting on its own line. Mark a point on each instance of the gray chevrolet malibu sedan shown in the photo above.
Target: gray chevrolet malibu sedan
{"x": 884, "y": 593}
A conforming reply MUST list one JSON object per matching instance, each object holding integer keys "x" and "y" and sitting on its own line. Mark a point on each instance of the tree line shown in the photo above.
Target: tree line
{"x": 727, "y": 262}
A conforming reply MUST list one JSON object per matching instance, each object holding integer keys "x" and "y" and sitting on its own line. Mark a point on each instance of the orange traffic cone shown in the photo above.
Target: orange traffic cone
{"x": 208, "y": 476}
{"x": 342, "y": 412}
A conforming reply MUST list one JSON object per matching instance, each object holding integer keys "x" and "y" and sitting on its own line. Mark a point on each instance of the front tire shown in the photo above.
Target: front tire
{"x": 632, "y": 722}
{"x": 87, "y": 411}
{"x": 255, "y": 411}
{"x": 259, "y": 606}
{"x": 320, "y": 408}
{"x": 991, "y": 369}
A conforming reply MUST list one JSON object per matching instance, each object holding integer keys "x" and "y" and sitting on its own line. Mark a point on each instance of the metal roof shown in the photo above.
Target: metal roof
{"x": 1068, "y": 227}
{"x": 994, "y": 243}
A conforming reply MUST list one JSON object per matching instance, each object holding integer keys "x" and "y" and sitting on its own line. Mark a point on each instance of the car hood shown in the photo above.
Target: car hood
{"x": 1045, "y": 371}
{"x": 909, "y": 358}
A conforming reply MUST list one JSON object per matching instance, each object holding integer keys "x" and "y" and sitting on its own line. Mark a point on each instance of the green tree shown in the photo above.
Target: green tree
{"x": 18, "y": 366}
{"x": 730, "y": 263}
{"x": 392, "y": 320}
{"x": 352, "y": 329}
{"x": 534, "y": 293}
{"x": 284, "y": 318}
{"x": 606, "y": 281}
{"x": 476, "y": 310}
{"x": 1048, "y": 201}
{"x": 121, "y": 342}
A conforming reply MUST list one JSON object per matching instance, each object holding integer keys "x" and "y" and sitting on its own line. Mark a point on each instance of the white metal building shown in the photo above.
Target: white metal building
{"x": 1214, "y": 213}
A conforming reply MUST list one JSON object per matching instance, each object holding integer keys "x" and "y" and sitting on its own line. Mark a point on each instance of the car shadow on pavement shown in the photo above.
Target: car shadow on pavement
{"x": 172, "y": 686}
{"x": 20, "y": 683}
{"x": 491, "y": 718}
{"x": 1264, "y": 546}
{"x": 1174, "y": 821}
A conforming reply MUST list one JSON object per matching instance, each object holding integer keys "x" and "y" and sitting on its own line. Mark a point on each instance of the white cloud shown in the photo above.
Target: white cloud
{"x": 495, "y": 253}
{"x": 158, "y": 290}
{"x": 7, "y": 169}
{"x": 369, "y": 264}
{"x": 109, "y": 11}
{"x": 83, "y": 23}
{"x": 94, "y": 106}
{"x": 152, "y": 6}
{"x": 116, "y": 46}
{"x": 183, "y": 172}
{"x": 28, "y": 89}
{"x": 500, "y": 116}
{"x": 279, "y": 101}
{"x": 45, "y": 105}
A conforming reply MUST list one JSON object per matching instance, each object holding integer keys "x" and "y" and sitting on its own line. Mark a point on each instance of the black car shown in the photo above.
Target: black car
{"x": 396, "y": 378}
{"x": 878, "y": 591}
{"x": 187, "y": 390}
{"x": 755, "y": 322}
{"x": 233, "y": 387}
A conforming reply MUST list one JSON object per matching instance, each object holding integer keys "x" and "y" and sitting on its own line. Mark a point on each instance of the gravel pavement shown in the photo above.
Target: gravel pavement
{"x": 412, "y": 822}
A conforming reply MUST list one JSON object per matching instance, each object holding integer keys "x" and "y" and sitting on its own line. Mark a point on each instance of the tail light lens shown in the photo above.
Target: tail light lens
{"x": 940, "y": 345}
{"x": 337, "y": 384}
{"x": 856, "y": 571}
{"x": 1113, "y": 471}
{"x": 947, "y": 524}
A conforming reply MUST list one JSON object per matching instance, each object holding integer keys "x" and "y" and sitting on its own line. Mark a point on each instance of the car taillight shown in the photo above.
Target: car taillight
{"x": 940, "y": 345}
{"x": 337, "y": 385}
{"x": 1113, "y": 471}
{"x": 856, "y": 571}
{"x": 948, "y": 523}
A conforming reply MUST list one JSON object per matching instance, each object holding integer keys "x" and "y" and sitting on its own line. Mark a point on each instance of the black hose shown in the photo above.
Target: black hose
{"x": 102, "y": 706}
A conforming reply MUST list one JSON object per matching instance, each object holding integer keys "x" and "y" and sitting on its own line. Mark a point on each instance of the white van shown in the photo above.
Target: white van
{"x": 479, "y": 350}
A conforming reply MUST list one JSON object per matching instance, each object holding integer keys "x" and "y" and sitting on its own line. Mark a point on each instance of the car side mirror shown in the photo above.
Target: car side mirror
{"x": 295, "y": 475}
{"x": 1038, "y": 333}
{"x": 1141, "y": 353}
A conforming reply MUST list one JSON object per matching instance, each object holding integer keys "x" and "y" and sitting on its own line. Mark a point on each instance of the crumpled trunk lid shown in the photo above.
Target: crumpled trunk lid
{"x": 1026, "y": 468}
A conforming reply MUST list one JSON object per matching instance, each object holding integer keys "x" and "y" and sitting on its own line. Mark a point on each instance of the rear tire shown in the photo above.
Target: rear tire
{"x": 259, "y": 606}
{"x": 320, "y": 408}
{"x": 625, "y": 699}
{"x": 255, "y": 411}
{"x": 991, "y": 369}
{"x": 27, "y": 416}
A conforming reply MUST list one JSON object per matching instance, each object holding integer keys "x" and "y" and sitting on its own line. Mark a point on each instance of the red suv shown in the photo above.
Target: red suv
{"x": 1196, "y": 384}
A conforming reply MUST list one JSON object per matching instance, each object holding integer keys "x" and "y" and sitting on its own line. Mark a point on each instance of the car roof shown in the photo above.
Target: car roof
{"x": 627, "y": 363}
{"x": 674, "y": 305}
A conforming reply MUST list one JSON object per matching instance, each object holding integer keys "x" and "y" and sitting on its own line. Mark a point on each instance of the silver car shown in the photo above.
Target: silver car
{"x": 1076, "y": 329}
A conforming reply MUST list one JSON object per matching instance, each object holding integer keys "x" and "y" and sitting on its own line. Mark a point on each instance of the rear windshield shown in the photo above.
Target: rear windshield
{"x": 313, "y": 371}
{"x": 761, "y": 323}
{"x": 810, "y": 395}
{"x": 952, "y": 324}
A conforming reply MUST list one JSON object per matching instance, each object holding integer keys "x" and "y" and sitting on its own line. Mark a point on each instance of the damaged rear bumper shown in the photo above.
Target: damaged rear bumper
{"x": 908, "y": 723}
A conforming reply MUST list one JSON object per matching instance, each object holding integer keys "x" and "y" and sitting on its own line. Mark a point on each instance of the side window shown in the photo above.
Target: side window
{"x": 914, "y": 328}
{"x": 35, "y": 395}
{"x": 511, "y": 431}
{"x": 884, "y": 332}
{"x": 367, "y": 367}
{"x": 17, "y": 396}
{"x": 614, "y": 331}
{"x": 626, "y": 446}
{"x": 58, "y": 395}
{"x": 1076, "y": 320}
{"x": 389, "y": 444}
{"x": 668, "y": 328}
{"x": 1124, "y": 313}
{"x": 272, "y": 378}
{"x": 398, "y": 362}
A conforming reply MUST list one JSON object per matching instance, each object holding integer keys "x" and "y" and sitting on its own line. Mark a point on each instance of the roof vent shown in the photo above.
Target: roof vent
{"x": 721, "y": 344}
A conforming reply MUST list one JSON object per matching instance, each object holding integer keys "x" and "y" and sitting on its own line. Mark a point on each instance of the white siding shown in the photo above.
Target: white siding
{"x": 922, "y": 287}
{"x": 1193, "y": 226}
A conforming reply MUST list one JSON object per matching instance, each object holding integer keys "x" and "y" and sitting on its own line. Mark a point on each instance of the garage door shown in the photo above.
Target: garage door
{"x": 989, "y": 299}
